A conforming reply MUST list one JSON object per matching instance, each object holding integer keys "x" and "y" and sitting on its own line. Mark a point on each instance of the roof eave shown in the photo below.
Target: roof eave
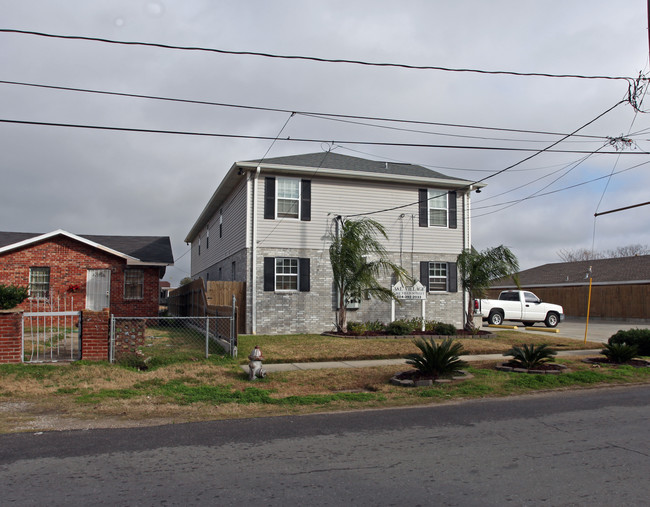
{"x": 61, "y": 232}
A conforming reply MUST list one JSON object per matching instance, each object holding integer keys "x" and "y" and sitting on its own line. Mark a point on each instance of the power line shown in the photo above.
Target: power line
{"x": 314, "y": 58}
{"x": 312, "y": 140}
{"x": 536, "y": 195}
{"x": 295, "y": 111}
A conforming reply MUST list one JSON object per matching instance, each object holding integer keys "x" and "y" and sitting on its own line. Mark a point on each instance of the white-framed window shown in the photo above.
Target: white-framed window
{"x": 39, "y": 282}
{"x": 133, "y": 284}
{"x": 438, "y": 208}
{"x": 437, "y": 276}
{"x": 286, "y": 274}
{"x": 288, "y": 198}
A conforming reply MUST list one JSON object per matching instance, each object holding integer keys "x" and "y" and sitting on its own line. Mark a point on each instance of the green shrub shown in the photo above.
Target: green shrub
{"x": 531, "y": 356}
{"x": 640, "y": 338}
{"x": 356, "y": 327}
{"x": 376, "y": 326}
{"x": 445, "y": 329}
{"x": 399, "y": 328}
{"x": 437, "y": 360}
{"x": 11, "y": 296}
{"x": 619, "y": 352}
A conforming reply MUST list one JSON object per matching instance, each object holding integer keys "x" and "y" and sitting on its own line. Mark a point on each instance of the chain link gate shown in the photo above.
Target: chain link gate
{"x": 146, "y": 338}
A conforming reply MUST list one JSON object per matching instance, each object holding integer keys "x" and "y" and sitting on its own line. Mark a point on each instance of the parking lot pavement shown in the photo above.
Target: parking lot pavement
{"x": 599, "y": 330}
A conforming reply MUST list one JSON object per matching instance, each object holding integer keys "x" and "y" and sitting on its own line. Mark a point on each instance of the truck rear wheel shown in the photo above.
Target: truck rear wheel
{"x": 495, "y": 318}
{"x": 552, "y": 319}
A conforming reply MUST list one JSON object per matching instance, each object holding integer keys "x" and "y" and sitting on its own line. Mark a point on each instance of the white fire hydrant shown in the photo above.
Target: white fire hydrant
{"x": 255, "y": 365}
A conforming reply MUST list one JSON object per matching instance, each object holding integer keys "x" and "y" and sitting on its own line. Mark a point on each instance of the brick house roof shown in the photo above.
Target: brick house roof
{"x": 146, "y": 249}
{"x": 604, "y": 271}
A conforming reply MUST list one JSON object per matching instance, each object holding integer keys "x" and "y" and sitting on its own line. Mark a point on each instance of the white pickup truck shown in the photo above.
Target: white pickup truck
{"x": 519, "y": 305}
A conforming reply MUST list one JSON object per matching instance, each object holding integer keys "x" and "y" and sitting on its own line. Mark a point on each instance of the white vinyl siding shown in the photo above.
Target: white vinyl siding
{"x": 233, "y": 232}
{"x": 348, "y": 197}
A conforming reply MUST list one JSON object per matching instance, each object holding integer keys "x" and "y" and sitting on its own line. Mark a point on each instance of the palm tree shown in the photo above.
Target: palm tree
{"x": 479, "y": 269}
{"x": 358, "y": 258}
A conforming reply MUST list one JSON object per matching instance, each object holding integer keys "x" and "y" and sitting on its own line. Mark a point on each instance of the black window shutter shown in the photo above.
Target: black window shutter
{"x": 453, "y": 212}
{"x": 452, "y": 277}
{"x": 423, "y": 202}
{"x": 269, "y": 198}
{"x": 305, "y": 200}
{"x": 303, "y": 283}
{"x": 424, "y": 274}
{"x": 269, "y": 274}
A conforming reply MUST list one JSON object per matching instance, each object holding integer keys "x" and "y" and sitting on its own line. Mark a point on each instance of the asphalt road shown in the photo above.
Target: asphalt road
{"x": 587, "y": 447}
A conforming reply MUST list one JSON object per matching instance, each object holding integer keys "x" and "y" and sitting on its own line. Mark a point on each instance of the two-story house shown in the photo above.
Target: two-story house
{"x": 270, "y": 224}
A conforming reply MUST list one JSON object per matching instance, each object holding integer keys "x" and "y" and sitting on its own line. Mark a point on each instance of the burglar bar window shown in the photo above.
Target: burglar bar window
{"x": 133, "y": 284}
{"x": 39, "y": 282}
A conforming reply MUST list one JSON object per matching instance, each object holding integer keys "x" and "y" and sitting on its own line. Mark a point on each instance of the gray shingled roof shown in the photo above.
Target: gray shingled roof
{"x": 617, "y": 270}
{"x": 154, "y": 249}
{"x": 347, "y": 163}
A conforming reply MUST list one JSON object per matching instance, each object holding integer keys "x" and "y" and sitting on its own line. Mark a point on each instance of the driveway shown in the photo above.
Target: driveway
{"x": 599, "y": 330}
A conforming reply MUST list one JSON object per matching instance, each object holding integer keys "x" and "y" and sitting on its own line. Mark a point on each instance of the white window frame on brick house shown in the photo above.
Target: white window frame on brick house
{"x": 437, "y": 276}
{"x": 280, "y": 270}
{"x": 286, "y": 274}
{"x": 133, "y": 284}
{"x": 431, "y": 276}
{"x": 39, "y": 282}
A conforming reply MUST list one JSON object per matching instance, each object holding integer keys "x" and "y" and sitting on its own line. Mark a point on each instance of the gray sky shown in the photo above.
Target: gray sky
{"x": 105, "y": 182}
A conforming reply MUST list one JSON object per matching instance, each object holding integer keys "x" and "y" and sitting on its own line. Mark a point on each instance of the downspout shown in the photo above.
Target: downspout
{"x": 254, "y": 254}
{"x": 467, "y": 237}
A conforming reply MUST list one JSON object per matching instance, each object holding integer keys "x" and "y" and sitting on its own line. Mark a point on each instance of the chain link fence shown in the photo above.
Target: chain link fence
{"x": 146, "y": 341}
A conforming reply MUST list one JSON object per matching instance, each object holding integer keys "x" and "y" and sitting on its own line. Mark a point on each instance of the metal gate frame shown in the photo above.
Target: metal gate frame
{"x": 40, "y": 338}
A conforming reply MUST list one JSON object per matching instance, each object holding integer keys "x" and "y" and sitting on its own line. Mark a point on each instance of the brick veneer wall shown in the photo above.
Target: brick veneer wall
{"x": 11, "y": 346}
{"x": 69, "y": 261}
{"x": 95, "y": 335}
{"x": 315, "y": 311}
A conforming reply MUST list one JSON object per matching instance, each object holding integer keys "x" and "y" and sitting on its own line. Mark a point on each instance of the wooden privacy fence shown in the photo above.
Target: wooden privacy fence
{"x": 194, "y": 300}
{"x": 622, "y": 301}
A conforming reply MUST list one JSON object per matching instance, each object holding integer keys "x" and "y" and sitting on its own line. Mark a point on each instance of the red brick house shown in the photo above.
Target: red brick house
{"x": 121, "y": 273}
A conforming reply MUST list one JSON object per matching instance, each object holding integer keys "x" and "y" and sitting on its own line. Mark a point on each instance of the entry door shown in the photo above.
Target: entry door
{"x": 98, "y": 289}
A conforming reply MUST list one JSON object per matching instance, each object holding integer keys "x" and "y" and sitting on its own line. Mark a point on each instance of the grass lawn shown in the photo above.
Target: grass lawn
{"x": 86, "y": 395}
{"x": 303, "y": 348}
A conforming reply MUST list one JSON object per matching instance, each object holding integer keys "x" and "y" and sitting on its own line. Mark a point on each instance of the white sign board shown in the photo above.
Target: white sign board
{"x": 415, "y": 292}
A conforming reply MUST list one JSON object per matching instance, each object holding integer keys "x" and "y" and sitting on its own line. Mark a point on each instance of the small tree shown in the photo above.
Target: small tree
{"x": 358, "y": 258}
{"x": 479, "y": 269}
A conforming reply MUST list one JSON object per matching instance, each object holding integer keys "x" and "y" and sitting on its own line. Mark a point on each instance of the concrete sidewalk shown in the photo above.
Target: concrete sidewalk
{"x": 271, "y": 368}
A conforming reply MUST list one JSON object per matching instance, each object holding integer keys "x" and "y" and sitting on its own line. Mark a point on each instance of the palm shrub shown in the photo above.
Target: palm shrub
{"x": 436, "y": 360}
{"x": 531, "y": 356}
{"x": 619, "y": 352}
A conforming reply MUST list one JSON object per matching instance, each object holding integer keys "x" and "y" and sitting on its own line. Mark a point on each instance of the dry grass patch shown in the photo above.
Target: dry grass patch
{"x": 313, "y": 348}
